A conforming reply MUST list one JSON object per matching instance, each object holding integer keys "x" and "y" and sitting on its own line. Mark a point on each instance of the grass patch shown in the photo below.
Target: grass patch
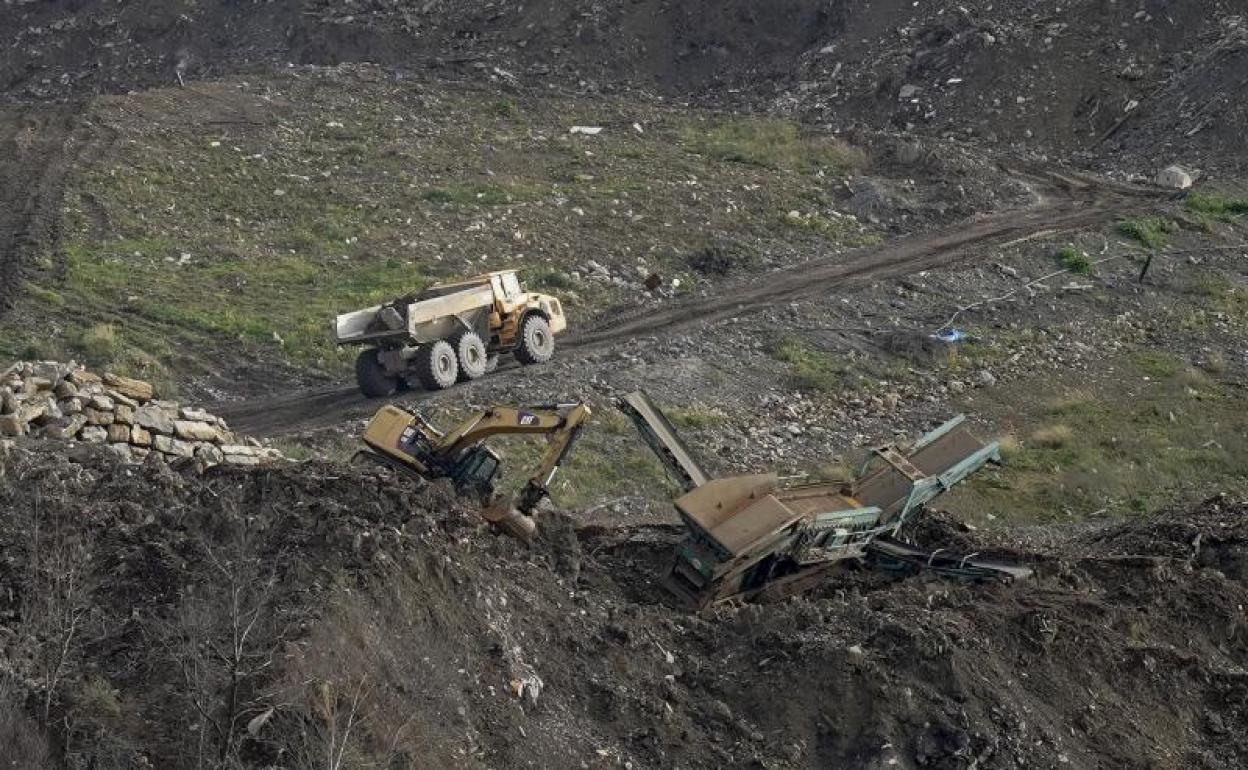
{"x": 694, "y": 418}
{"x": 721, "y": 258}
{"x": 833, "y": 228}
{"x": 480, "y": 194}
{"x": 1074, "y": 260}
{"x": 809, "y": 370}
{"x": 773, "y": 144}
{"x": 1216, "y": 205}
{"x": 1130, "y": 446}
{"x": 282, "y": 304}
{"x": 1157, "y": 365}
{"x": 1151, "y": 232}
{"x": 98, "y": 344}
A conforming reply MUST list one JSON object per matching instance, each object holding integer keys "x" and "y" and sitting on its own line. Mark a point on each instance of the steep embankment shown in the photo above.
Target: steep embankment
{"x": 277, "y": 616}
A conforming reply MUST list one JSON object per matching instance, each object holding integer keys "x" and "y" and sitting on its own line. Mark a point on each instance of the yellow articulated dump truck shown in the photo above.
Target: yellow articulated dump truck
{"x": 450, "y": 332}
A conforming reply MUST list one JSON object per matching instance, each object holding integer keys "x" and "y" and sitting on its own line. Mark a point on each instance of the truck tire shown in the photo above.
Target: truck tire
{"x": 436, "y": 366}
{"x": 537, "y": 344}
{"x": 373, "y": 380}
{"x": 470, "y": 352}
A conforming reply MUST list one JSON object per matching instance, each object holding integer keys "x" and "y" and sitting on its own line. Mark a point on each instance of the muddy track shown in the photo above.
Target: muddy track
{"x": 34, "y": 163}
{"x": 1064, "y": 204}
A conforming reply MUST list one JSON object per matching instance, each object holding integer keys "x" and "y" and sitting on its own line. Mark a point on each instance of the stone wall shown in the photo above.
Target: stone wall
{"x": 64, "y": 401}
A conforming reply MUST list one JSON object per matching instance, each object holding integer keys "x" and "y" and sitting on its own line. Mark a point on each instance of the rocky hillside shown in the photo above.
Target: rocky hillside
{"x": 1155, "y": 80}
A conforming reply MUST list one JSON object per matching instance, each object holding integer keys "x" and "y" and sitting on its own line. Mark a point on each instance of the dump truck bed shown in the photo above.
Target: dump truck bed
{"x": 424, "y": 320}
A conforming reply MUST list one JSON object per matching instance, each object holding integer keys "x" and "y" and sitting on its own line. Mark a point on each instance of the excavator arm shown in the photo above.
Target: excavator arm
{"x": 407, "y": 442}
{"x": 563, "y": 424}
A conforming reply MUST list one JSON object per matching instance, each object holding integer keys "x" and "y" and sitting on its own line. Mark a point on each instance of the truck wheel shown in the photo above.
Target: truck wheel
{"x": 537, "y": 344}
{"x": 436, "y": 367}
{"x": 470, "y": 351}
{"x": 372, "y": 377}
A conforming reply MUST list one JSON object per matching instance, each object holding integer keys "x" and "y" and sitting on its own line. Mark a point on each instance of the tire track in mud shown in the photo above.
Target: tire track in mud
{"x": 1065, "y": 204}
{"x": 34, "y": 164}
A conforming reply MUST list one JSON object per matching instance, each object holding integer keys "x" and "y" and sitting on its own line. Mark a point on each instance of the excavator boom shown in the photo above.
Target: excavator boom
{"x": 408, "y": 442}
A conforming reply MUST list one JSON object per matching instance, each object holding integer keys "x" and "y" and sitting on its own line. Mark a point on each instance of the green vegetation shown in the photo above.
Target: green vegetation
{"x": 1156, "y": 364}
{"x": 1053, "y": 436}
{"x": 1074, "y": 260}
{"x": 208, "y": 243}
{"x": 600, "y": 468}
{"x": 720, "y": 258}
{"x": 505, "y": 108}
{"x": 1215, "y": 205}
{"x": 1151, "y": 232}
{"x": 810, "y": 370}
{"x": 773, "y": 144}
{"x": 694, "y": 418}
{"x": 548, "y": 279}
{"x": 1127, "y": 446}
{"x": 285, "y": 301}
{"x": 841, "y": 229}
{"x": 98, "y": 344}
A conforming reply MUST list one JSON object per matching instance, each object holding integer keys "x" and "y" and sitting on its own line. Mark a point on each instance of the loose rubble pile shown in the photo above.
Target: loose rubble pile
{"x": 64, "y": 401}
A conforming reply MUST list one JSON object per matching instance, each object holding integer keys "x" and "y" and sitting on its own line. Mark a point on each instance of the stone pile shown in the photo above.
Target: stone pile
{"x": 48, "y": 399}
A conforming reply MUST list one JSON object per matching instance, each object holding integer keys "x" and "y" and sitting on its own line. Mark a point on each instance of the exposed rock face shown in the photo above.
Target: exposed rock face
{"x": 65, "y": 402}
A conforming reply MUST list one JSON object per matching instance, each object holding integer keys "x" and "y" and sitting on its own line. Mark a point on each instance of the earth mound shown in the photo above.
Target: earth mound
{"x": 270, "y": 617}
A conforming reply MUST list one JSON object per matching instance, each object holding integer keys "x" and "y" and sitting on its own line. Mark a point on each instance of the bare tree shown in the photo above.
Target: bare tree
{"x": 222, "y": 640}
{"x": 56, "y": 597}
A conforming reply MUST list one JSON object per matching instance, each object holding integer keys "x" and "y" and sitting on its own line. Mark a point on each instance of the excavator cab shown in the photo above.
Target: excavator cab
{"x": 474, "y": 472}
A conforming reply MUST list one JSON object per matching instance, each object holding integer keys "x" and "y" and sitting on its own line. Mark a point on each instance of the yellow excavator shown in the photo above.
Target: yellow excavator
{"x": 408, "y": 443}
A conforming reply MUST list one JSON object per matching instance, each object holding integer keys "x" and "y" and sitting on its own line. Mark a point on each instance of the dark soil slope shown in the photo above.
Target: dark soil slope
{"x": 1159, "y": 79}
{"x": 271, "y": 618}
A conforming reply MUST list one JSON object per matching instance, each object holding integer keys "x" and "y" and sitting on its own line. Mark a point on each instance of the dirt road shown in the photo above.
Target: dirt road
{"x": 1063, "y": 203}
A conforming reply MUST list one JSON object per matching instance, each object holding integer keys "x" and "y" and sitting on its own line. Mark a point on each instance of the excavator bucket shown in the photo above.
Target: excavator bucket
{"x": 508, "y": 520}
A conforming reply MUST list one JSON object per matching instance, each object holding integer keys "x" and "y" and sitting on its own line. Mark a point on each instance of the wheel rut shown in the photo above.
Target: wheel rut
{"x": 1065, "y": 204}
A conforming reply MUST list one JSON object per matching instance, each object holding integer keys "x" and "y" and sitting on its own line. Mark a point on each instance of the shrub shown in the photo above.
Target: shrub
{"x": 720, "y": 258}
{"x": 550, "y": 278}
{"x": 1074, "y": 260}
{"x": 24, "y": 746}
{"x": 809, "y": 370}
{"x": 1151, "y": 232}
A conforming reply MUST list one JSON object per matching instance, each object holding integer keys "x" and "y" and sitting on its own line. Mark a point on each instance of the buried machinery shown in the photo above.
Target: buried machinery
{"x": 750, "y": 537}
{"x": 408, "y": 443}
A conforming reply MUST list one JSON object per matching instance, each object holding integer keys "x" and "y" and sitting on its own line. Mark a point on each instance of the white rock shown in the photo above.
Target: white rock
{"x": 1174, "y": 177}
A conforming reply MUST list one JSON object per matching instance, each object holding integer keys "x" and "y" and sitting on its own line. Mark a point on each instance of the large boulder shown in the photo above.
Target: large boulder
{"x": 135, "y": 389}
{"x": 1174, "y": 177}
